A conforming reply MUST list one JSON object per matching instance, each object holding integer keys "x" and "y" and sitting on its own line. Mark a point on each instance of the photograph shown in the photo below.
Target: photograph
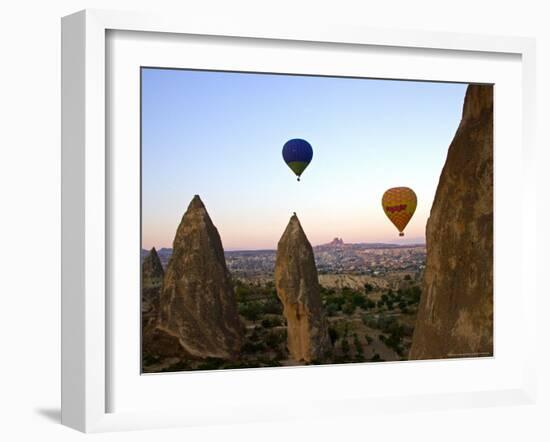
{"x": 284, "y": 220}
{"x": 294, "y": 220}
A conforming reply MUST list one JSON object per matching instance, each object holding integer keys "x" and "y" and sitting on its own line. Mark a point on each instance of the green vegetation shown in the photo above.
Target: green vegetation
{"x": 272, "y": 321}
{"x": 273, "y": 339}
{"x": 387, "y": 324}
{"x": 346, "y": 301}
{"x": 250, "y": 310}
{"x": 404, "y": 299}
{"x": 256, "y": 301}
{"x": 393, "y": 331}
{"x": 359, "y": 321}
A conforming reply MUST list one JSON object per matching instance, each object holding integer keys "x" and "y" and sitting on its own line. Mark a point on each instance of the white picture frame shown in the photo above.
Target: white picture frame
{"x": 86, "y": 205}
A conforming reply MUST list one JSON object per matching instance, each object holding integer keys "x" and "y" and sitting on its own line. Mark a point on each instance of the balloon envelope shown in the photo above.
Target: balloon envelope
{"x": 399, "y": 204}
{"x": 297, "y": 154}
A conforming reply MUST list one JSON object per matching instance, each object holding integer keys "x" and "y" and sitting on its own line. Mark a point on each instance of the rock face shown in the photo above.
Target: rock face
{"x": 152, "y": 275}
{"x": 154, "y": 341}
{"x": 455, "y": 317}
{"x": 298, "y": 289}
{"x": 197, "y": 303}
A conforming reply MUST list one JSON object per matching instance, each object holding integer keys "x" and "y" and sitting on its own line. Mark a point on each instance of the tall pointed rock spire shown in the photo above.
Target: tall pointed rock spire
{"x": 198, "y": 304}
{"x": 298, "y": 289}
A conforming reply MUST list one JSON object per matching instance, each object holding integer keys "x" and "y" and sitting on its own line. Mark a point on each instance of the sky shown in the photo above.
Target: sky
{"x": 220, "y": 135}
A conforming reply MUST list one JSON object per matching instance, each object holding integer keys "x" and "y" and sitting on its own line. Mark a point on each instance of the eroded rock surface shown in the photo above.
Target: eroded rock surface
{"x": 298, "y": 289}
{"x": 152, "y": 275}
{"x": 197, "y": 304}
{"x": 455, "y": 317}
{"x": 154, "y": 341}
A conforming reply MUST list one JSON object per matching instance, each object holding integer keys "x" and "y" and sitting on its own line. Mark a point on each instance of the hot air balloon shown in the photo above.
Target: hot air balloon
{"x": 297, "y": 154}
{"x": 399, "y": 204}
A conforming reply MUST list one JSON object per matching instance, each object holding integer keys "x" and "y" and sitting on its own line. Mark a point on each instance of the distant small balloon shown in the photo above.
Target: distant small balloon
{"x": 297, "y": 154}
{"x": 399, "y": 204}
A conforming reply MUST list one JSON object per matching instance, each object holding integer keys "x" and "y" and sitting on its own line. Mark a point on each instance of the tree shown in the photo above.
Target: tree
{"x": 348, "y": 308}
{"x": 358, "y": 300}
{"x": 332, "y": 309}
{"x": 250, "y": 310}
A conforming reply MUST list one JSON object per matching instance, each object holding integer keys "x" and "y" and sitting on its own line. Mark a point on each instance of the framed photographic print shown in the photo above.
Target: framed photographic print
{"x": 256, "y": 213}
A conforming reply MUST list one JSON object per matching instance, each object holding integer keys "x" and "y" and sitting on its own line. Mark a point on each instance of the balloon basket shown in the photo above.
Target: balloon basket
{"x": 401, "y": 234}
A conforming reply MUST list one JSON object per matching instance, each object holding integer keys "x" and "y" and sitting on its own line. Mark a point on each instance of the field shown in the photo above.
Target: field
{"x": 372, "y": 322}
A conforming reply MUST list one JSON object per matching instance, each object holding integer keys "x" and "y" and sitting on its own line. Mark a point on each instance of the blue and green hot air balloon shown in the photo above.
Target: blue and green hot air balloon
{"x": 297, "y": 154}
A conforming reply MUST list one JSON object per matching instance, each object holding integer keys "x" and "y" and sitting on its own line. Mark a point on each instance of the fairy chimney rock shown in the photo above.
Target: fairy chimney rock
{"x": 151, "y": 270}
{"x": 152, "y": 275}
{"x": 197, "y": 303}
{"x": 455, "y": 316}
{"x": 298, "y": 289}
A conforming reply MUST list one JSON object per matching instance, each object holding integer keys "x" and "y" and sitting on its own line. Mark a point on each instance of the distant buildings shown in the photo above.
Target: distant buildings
{"x": 335, "y": 257}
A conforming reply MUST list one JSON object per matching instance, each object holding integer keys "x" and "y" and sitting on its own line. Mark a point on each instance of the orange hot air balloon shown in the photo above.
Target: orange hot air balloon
{"x": 399, "y": 204}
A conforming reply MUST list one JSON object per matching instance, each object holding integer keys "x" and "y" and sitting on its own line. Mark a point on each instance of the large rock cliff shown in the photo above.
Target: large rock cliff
{"x": 197, "y": 303}
{"x": 298, "y": 289}
{"x": 455, "y": 317}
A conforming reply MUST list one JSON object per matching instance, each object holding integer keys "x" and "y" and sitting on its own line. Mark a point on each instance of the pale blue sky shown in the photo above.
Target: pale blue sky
{"x": 220, "y": 135}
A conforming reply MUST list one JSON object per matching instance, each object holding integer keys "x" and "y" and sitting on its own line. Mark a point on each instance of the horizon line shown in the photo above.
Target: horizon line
{"x": 263, "y": 249}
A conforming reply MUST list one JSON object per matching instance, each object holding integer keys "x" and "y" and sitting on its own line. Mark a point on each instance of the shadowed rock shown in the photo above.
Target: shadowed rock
{"x": 298, "y": 289}
{"x": 197, "y": 303}
{"x": 154, "y": 341}
{"x": 455, "y": 316}
{"x": 152, "y": 274}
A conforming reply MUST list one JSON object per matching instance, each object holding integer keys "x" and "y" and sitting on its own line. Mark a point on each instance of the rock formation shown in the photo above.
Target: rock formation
{"x": 455, "y": 317}
{"x": 197, "y": 303}
{"x": 154, "y": 341}
{"x": 152, "y": 274}
{"x": 298, "y": 289}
